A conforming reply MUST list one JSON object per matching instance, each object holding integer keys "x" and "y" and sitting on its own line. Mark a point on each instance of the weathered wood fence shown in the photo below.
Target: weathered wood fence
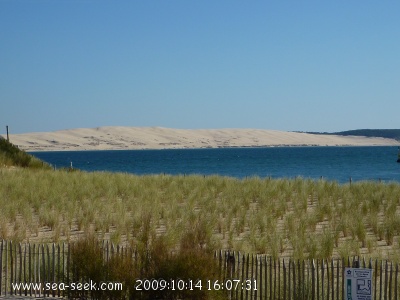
{"x": 242, "y": 276}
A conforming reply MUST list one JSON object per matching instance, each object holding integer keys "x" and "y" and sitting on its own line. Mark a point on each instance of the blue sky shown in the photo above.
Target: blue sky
{"x": 284, "y": 65}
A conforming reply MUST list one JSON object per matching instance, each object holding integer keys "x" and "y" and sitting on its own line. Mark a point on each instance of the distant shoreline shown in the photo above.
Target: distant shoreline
{"x": 227, "y": 147}
{"x": 140, "y": 138}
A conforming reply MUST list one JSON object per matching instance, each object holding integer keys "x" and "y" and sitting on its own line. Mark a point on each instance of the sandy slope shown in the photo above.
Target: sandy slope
{"x": 102, "y": 138}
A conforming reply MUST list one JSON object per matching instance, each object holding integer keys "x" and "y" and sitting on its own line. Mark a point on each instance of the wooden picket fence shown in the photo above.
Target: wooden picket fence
{"x": 241, "y": 276}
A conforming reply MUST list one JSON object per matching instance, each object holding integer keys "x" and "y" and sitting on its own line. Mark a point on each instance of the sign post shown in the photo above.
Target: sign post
{"x": 358, "y": 284}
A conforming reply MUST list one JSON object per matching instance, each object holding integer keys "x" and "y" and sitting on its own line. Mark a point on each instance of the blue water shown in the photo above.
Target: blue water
{"x": 333, "y": 163}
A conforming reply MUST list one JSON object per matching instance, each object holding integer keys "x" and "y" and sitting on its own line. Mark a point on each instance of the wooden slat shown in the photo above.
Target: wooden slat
{"x": 323, "y": 278}
{"x": 44, "y": 264}
{"x": 313, "y": 280}
{"x": 238, "y": 270}
{"x": 284, "y": 279}
{"x": 218, "y": 254}
{"x": 6, "y": 271}
{"x": 68, "y": 266}
{"x": 337, "y": 278}
{"x": 275, "y": 279}
{"x": 333, "y": 279}
{"x": 53, "y": 267}
{"x": 279, "y": 278}
{"x": 261, "y": 278}
{"x": 247, "y": 275}
{"x": 343, "y": 267}
{"x": 380, "y": 281}
{"x": 17, "y": 267}
{"x": 289, "y": 280}
{"x": 58, "y": 278}
{"x": 22, "y": 271}
{"x": 255, "y": 277}
{"x": 242, "y": 278}
{"x": 11, "y": 267}
{"x": 30, "y": 274}
{"x": 327, "y": 279}
{"x": 376, "y": 279}
{"x": 306, "y": 285}
{"x": 1, "y": 267}
{"x": 266, "y": 284}
{"x": 396, "y": 283}
{"x": 294, "y": 280}
{"x": 386, "y": 280}
{"x": 34, "y": 277}
{"x": 390, "y": 281}
{"x": 317, "y": 275}
{"x": 270, "y": 278}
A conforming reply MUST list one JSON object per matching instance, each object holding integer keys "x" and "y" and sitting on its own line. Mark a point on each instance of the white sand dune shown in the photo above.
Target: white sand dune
{"x": 108, "y": 138}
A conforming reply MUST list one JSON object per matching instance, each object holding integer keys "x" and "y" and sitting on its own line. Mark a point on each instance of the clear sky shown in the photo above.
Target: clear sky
{"x": 283, "y": 65}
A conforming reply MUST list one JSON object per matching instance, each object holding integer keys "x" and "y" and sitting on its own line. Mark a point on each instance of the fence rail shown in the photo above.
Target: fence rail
{"x": 242, "y": 276}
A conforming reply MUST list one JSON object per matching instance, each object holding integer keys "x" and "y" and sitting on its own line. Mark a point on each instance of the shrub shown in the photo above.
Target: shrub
{"x": 12, "y": 156}
{"x": 193, "y": 261}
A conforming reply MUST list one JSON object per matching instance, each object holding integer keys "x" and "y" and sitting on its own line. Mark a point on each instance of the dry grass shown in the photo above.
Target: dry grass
{"x": 298, "y": 218}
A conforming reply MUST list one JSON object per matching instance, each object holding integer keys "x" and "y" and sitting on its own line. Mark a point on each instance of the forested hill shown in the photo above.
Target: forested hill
{"x": 384, "y": 133}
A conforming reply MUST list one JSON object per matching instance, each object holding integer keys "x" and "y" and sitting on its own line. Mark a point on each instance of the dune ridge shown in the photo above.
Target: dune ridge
{"x": 119, "y": 138}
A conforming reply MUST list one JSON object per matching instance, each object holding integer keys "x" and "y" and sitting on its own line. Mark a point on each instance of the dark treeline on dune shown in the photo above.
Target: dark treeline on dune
{"x": 384, "y": 133}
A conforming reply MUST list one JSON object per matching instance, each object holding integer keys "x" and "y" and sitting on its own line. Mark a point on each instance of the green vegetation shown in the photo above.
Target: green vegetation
{"x": 155, "y": 263}
{"x": 384, "y": 133}
{"x": 296, "y": 218}
{"x": 11, "y": 155}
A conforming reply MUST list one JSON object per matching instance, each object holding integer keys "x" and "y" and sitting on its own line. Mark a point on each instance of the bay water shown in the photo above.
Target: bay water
{"x": 332, "y": 163}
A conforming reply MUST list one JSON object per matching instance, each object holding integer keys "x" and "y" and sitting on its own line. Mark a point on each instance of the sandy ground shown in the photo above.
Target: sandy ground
{"x": 109, "y": 138}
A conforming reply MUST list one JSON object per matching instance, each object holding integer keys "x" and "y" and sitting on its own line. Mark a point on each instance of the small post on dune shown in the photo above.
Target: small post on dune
{"x": 8, "y": 138}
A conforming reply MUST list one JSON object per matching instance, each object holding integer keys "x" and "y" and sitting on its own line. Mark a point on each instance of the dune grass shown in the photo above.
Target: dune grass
{"x": 12, "y": 156}
{"x": 296, "y": 218}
